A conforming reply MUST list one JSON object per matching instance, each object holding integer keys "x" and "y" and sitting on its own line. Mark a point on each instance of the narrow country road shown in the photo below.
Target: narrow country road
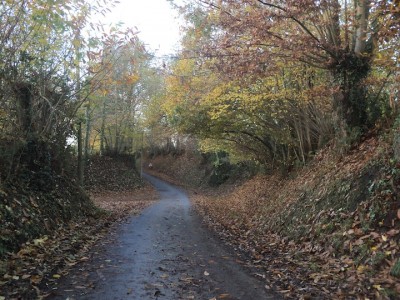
{"x": 164, "y": 253}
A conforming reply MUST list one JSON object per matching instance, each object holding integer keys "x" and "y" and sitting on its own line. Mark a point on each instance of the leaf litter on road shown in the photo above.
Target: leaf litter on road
{"x": 40, "y": 263}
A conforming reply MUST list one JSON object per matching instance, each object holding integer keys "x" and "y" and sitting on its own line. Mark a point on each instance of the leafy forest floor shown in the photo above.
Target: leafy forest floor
{"x": 329, "y": 230}
{"x": 116, "y": 192}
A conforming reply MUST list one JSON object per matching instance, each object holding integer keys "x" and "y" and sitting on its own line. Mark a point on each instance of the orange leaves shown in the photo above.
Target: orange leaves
{"x": 315, "y": 228}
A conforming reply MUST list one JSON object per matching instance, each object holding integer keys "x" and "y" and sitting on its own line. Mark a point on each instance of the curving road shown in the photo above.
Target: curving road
{"x": 164, "y": 253}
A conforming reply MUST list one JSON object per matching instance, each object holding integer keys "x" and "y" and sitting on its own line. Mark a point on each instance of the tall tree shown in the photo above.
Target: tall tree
{"x": 117, "y": 105}
{"x": 40, "y": 55}
{"x": 274, "y": 118}
{"x": 253, "y": 37}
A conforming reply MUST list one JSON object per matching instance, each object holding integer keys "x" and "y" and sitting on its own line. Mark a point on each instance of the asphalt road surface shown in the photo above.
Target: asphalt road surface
{"x": 164, "y": 253}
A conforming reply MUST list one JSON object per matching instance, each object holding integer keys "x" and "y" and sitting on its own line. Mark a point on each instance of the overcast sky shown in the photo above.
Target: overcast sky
{"x": 155, "y": 19}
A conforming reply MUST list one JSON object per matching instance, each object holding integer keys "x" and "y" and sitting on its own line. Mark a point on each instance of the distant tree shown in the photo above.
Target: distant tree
{"x": 118, "y": 104}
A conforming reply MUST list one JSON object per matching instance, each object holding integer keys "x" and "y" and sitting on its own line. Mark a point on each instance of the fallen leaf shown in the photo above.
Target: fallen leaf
{"x": 80, "y": 287}
{"x": 39, "y": 242}
{"x": 56, "y": 276}
{"x": 393, "y": 232}
{"x": 360, "y": 268}
{"x": 377, "y": 286}
{"x": 36, "y": 279}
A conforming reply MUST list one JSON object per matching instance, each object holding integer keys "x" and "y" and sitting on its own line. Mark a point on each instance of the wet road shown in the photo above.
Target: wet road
{"x": 164, "y": 253}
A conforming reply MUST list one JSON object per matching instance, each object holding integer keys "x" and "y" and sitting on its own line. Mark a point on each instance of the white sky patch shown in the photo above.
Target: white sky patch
{"x": 156, "y": 20}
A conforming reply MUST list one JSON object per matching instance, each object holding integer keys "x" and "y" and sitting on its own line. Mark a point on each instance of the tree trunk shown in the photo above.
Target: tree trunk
{"x": 80, "y": 160}
{"x": 351, "y": 101}
{"x": 351, "y": 66}
{"x": 78, "y": 96}
{"x": 87, "y": 134}
{"x": 362, "y": 12}
{"x": 103, "y": 128}
{"x": 35, "y": 155}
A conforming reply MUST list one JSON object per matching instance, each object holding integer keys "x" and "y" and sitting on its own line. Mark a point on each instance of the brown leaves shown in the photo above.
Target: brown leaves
{"x": 125, "y": 203}
{"x": 111, "y": 174}
{"x": 318, "y": 234}
{"x": 46, "y": 259}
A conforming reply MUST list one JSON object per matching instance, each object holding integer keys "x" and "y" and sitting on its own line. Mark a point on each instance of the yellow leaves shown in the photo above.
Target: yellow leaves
{"x": 361, "y": 269}
{"x": 377, "y": 287}
{"x": 76, "y": 43}
{"x": 219, "y": 111}
{"x": 184, "y": 67}
{"x": 131, "y": 79}
{"x": 187, "y": 87}
{"x": 40, "y": 242}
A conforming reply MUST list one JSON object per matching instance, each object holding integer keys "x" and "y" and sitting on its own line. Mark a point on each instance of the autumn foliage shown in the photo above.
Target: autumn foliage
{"x": 273, "y": 81}
{"x": 303, "y": 87}
{"x": 331, "y": 231}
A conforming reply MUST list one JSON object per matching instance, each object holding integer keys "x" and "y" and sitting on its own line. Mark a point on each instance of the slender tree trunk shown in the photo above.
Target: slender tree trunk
{"x": 81, "y": 166}
{"x": 117, "y": 140}
{"x": 80, "y": 160}
{"x": 87, "y": 135}
{"x": 102, "y": 128}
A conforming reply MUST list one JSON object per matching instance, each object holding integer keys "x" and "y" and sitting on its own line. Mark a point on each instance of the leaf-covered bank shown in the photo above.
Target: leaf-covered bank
{"x": 47, "y": 230}
{"x": 35, "y": 206}
{"x": 330, "y": 229}
{"x": 194, "y": 169}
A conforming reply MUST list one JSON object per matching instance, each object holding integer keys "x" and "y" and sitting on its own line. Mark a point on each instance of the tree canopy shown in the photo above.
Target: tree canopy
{"x": 276, "y": 80}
